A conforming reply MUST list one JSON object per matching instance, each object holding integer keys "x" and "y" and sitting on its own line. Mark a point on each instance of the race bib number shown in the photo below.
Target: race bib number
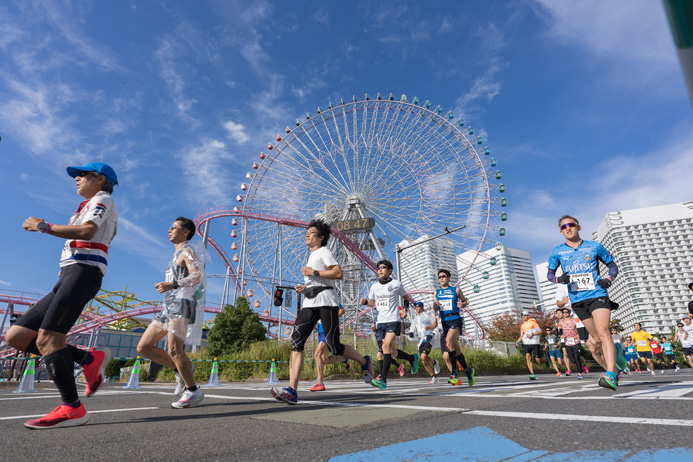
{"x": 581, "y": 281}
{"x": 642, "y": 343}
{"x": 570, "y": 341}
{"x": 382, "y": 303}
{"x": 446, "y": 305}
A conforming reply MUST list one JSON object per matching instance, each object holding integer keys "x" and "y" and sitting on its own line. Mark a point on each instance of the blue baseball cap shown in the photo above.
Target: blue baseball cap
{"x": 418, "y": 304}
{"x": 98, "y": 167}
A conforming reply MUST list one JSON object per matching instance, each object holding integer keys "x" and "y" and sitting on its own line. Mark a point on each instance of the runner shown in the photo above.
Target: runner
{"x": 322, "y": 357}
{"x": 320, "y": 302}
{"x": 553, "y": 348}
{"x": 632, "y": 356}
{"x": 588, "y": 293}
{"x": 641, "y": 339}
{"x": 620, "y": 345}
{"x": 658, "y": 354}
{"x": 559, "y": 334}
{"x": 42, "y": 329}
{"x": 181, "y": 318}
{"x": 399, "y": 367}
{"x": 669, "y": 352}
{"x": 448, "y": 301}
{"x": 572, "y": 343}
{"x": 564, "y": 302}
{"x": 423, "y": 326}
{"x": 530, "y": 336}
{"x": 684, "y": 334}
{"x": 384, "y": 296}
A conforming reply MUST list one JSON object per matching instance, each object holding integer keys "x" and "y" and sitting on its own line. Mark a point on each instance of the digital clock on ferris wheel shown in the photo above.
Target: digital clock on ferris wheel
{"x": 355, "y": 225}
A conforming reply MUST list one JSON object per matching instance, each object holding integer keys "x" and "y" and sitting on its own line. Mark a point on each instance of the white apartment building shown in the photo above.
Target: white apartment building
{"x": 653, "y": 248}
{"x": 420, "y": 263}
{"x": 547, "y": 289}
{"x": 505, "y": 281}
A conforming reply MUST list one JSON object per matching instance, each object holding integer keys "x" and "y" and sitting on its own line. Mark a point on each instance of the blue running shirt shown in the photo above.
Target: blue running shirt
{"x": 581, "y": 265}
{"x": 447, "y": 298}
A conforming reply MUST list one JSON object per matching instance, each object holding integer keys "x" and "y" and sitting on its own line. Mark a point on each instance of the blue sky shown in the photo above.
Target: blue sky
{"x": 583, "y": 103}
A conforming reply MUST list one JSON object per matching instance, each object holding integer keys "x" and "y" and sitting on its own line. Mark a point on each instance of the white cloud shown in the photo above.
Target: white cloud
{"x": 34, "y": 112}
{"x": 205, "y": 168}
{"x": 152, "y": 248}
{"x": 236, "y": 132}
{"x": 634, "y": 32}
{"x": 5, "y": 283}
{"x": 171, "y": 74}
{"x": 624, "y": 182}
{"x": 65, "y": 22}
{"x": 484, "y": 88}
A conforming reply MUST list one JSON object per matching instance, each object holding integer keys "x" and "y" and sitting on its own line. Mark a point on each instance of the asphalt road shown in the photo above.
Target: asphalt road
{"x": 500, "y": 418}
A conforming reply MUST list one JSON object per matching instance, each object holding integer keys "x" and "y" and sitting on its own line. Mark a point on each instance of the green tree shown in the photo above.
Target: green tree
{"x": 235, "y": 329}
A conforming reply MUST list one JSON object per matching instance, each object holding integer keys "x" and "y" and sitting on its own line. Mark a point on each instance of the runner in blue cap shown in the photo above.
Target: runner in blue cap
{"x": 42, "y": 330}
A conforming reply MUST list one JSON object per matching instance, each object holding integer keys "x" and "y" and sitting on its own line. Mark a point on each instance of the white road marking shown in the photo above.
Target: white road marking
{"x": 90, "y": 412}
{"x": 585, "y": 418}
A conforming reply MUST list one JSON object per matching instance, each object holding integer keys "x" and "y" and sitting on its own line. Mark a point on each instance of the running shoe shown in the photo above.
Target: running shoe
{"x": 584, "y": 368}
{"x": 662, "y": 371}
{"x": 378, "y": 382}
{"x": 318, "y": 387}
{"x": 652, "y": 372}
{"x": 677, "y": 369}
{"x": 532, "y": 377}
{"x": 606, "y": 382}
{"x": 347, "y": 366}
{"x": 579, "y": 377}
{"x": 434, "y": 380}
{"x": 288, "y": 395}
{"x": 568, "y": 372}
{"x": 367, "y": 370}
{"x": 61, "y": 416}
{"x": 400, "y": 369}
{"x": 180, "y": 383}
{"x": 189, "y": 399}
{"x": 436, "y": 367}
{"x": 558, "y": 374}
{"x": 453, "y": 380}
{"x": 470, "y": 376}
{"x": 415, "y": 364}
{"x": 94, "y": 372}
{"x": 638, "y": 371}
{"x": 648, "y": 369}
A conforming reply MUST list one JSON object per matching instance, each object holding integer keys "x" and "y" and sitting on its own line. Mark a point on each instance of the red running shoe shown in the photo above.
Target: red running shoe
{"x": 62, "y": 416}
{"x": 318, "y": 387}
{"x": 94, "y": 372}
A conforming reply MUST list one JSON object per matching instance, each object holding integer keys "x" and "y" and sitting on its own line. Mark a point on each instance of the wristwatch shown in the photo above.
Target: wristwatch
{"x": 316, "y": 273}
{"x": 42, "y": 226}
{"x": 175, "y": 285}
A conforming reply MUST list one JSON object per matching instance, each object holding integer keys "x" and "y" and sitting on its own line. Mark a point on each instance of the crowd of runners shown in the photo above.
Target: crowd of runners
{"x": 583, "y": 315}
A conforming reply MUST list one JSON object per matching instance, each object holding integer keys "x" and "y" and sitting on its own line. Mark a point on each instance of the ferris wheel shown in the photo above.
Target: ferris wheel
{"x": 388, "y": 174}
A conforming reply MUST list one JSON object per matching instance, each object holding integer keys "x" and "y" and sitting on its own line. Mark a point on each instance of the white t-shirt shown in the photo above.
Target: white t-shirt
{"x": 320, "y": 260}
{"x": 561, "y": 293}
{"x": 688, "y": 342}
{"x": 102, "y": 211}
{"x": 386, "y": 298}
{"x": 421, "y": 322}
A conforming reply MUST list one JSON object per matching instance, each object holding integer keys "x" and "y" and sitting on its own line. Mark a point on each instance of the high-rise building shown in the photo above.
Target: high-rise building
{"x": 419, "y": 265}
{"x": 547, "y": 289}
{"x": 653, "y": 248}
{"x": 505, "y": 281}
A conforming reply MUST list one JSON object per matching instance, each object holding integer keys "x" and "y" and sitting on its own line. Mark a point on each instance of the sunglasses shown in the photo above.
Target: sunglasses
{"x": 568, "y": 225}
{"x": 442, "y": 276}
{"x": 383, "y": 267}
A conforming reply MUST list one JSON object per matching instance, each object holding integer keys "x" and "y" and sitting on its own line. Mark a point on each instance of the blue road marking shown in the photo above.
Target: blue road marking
{"x": 481, "y": 444}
